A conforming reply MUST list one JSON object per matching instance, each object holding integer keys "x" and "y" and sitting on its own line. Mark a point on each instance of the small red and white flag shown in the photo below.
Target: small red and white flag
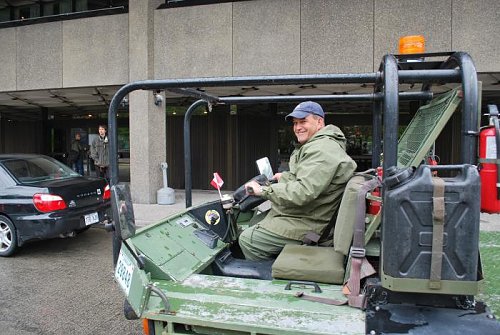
{"x": 217, "y": 182}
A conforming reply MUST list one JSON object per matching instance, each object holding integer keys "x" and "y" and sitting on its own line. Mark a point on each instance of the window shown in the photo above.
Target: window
{"x": 5, "y": 179}
{"x": 38, "y": 11}
{"x": 36, "y": 169}
{"x": 185, "y": 3}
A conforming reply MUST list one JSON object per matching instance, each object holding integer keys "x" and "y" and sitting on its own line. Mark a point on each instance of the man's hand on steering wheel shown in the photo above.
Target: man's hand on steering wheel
{"x": 253, "y": 188}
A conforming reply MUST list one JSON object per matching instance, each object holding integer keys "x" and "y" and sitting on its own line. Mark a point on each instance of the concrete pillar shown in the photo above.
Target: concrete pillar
{"x": 2, "y": 136}
{"x": 147, "y": 120}
{"x": 44, "y": 144}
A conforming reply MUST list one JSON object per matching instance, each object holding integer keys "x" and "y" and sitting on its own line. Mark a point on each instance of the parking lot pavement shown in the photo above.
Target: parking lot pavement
{"x": 490, "y": 222}
{"x": 61, "y": 287}
{"x": 147, "y": 214}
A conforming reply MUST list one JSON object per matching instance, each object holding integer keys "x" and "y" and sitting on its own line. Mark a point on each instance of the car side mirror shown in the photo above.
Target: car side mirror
{"x": 123, "y": 211}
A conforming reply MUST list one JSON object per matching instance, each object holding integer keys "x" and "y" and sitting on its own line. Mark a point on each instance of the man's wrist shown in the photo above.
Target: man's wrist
{"x": 266, "y": 190}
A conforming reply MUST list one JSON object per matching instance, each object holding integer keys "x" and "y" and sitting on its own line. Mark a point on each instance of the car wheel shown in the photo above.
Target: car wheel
{"x": 8, "y": 237}
{"x": 128, "y": 311}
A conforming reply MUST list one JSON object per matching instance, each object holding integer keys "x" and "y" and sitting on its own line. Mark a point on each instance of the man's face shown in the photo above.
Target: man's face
{"x": 77, "y": 136}
{"x": 102, "y": 131}
{"x": 305, "y": 128}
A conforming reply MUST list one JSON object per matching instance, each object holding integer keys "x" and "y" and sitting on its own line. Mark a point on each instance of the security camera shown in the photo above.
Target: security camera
{"x": 157, "y": 98}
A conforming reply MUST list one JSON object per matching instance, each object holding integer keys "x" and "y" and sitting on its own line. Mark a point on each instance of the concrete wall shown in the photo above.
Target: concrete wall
{"x": 8, "y": 57}
{"x": 336, "y": 36}
{"x": 244, "y": 38}
{"x": 394, "y": 19}
{"x": 317, "y": 36}
{"x": 476, "y": 29}
{"x": 73, "y": 53}
{"x": 193, "y": 41}
{"x": 39, "y": 56}
{"x": 95, "y": 51}
{"x": 266, "y": 37}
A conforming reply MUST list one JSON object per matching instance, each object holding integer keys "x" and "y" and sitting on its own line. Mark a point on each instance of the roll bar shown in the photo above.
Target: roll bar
{"x": 457, "y": 68}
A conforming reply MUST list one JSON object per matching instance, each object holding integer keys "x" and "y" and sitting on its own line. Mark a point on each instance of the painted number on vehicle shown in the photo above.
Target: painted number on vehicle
{"x": 91, "y": 218}
{"x": 123, "y": 272}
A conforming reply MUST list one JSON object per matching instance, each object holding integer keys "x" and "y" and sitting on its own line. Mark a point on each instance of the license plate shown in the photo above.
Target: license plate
{"x": 123, "y": 272}
{"x": 91, "y": 218}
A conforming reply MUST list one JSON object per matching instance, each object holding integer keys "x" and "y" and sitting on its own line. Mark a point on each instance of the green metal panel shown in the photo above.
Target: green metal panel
{"x": 173, "y": 248}
{"x": 455, "y": 287}
{"x": 135, "y": 288}
{"x": 425, "y": 127}
{"x": 252, "y": 306}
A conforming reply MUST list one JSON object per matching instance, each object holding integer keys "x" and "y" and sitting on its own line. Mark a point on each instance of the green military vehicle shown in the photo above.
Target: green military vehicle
{"x": 412, "y": 267}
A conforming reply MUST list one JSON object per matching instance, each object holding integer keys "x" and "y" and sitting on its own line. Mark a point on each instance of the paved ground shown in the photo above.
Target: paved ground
{"x": 146, "y": 214}
{"x": 490, "y": 222}
{"x": 62, "y": 287}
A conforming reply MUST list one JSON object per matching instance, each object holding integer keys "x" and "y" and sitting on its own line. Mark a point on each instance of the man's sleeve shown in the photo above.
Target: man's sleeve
{"x": 93, "y": 152}
{"x": 314, "y": 173}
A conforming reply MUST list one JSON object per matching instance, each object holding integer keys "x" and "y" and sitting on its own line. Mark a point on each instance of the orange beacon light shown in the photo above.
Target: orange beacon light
{"x": 413, "y": 44}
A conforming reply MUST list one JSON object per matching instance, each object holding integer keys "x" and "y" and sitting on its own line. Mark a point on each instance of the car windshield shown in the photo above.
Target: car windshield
{"x": 35, "y": 169}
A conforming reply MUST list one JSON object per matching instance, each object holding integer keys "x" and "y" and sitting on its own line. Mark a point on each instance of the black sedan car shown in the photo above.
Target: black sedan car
{"x": 41, "y": 198}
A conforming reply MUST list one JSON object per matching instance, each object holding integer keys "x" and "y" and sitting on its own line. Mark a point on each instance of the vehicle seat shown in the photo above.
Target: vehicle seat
{"x": 310, "y": 263}
{"x": 324, "y": 264}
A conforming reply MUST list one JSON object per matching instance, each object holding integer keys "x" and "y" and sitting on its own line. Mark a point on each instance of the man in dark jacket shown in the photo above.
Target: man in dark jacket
{"x": 99, "y": 152}
{"x": 306, "y": 197}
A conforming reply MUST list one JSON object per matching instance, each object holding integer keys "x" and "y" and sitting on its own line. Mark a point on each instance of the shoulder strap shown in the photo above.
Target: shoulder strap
{"x": 360, "y": 267}
{"x": 438, "y": 212}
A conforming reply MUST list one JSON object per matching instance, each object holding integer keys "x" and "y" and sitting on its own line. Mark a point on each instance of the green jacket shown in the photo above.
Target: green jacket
{"x": 307, "y": 196}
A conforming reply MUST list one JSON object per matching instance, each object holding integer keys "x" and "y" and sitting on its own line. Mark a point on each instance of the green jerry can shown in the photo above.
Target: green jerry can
{"x": 430, "y": 230}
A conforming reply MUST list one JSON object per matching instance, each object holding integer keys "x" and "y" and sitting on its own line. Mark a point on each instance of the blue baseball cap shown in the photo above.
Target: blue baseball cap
{"x": 304, "y": 109}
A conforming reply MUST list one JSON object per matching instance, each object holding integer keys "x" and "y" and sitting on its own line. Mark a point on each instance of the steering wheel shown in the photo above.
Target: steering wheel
{"x": 247, "y": 201}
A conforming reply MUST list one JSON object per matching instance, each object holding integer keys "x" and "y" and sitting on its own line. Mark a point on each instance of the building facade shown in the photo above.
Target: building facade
{"x": 59, "y": 71}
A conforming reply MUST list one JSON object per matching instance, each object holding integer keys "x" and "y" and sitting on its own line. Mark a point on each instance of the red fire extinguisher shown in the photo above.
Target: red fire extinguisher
{"x": 374, "y": 205}
{"x": 432, "y": 159}
{"x": 489, "y": 159}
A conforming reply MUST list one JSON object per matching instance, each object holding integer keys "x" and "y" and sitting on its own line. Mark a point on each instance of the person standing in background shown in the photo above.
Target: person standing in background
{"x": 76, "y": 154}
{"x": 99, "y": 152}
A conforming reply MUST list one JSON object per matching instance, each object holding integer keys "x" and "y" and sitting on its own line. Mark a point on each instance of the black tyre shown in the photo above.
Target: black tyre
{"x": 8, "y": 237}
{"x": 128, "y": 311}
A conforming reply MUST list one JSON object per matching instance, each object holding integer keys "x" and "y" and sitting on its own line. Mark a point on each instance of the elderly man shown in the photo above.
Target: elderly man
{"x": 306, "y": 197}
